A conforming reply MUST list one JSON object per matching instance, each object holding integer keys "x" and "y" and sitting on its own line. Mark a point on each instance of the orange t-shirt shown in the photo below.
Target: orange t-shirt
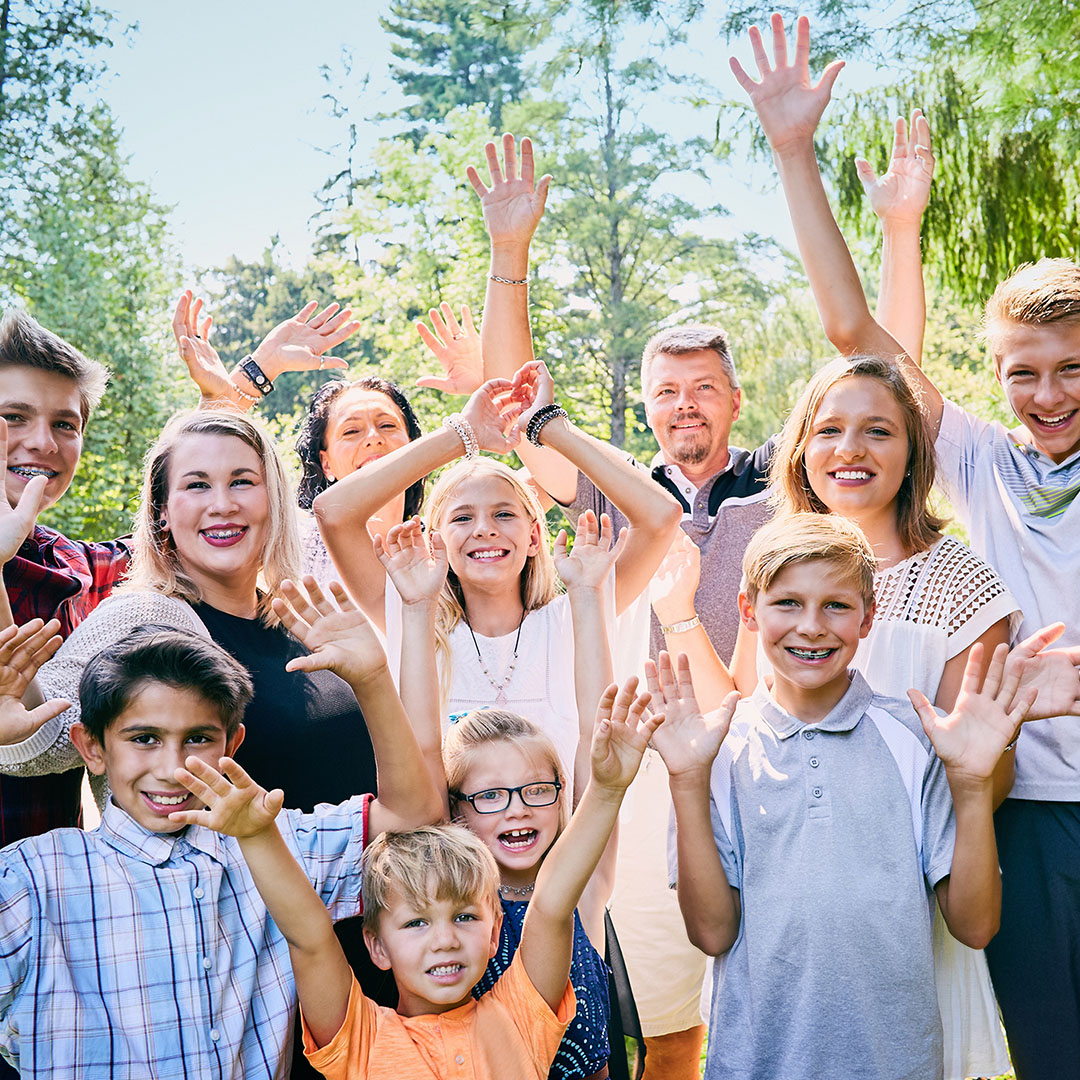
{"x": 509, "y": 1033}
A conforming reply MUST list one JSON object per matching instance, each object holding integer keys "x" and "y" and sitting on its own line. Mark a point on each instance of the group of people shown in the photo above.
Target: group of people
{"x": 761, "y": 709}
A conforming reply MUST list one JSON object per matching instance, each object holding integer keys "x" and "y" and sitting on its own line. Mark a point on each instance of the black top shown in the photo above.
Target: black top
{"x": 305, "y": 731}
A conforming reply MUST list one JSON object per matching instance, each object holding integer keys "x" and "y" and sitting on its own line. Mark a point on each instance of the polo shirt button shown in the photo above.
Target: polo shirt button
{"x": 813, "y": 763}
{"x": 807, "y": 734}
{"x": 207, "y": 963}
{"x": 460, "y": 1059}
{"x": 215, "y": 1034}
{"x": 817, "y": 793}
{"x": 198, "y": 894}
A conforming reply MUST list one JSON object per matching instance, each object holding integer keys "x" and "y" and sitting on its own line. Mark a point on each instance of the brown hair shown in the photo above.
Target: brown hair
{"x": 791, "y": 490}
{"x": 1046, "y": 291}
{"x": 24, "y": 342}
{"x": 678, "y": 340}
{"x": 794, "y": 538}
{"x": 436, "y": 862}
{"x": 155, "y": 565}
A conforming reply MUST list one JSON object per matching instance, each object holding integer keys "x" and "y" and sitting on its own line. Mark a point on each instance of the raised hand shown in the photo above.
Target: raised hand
{"x": 513, "y": 205}
{"x": 984, "y": 720}
{"x": 788, "y": 105}
{"x": 457, "y": 348}
{"x": 622, "y": 733}
{"x": 417, "y": 571}
{"x": 590, "y": 561}
{"x": 300, "y": 343}
{"x": 534, "y": 388}
{"x": 192, "y": 332}
{"x": 493, "y": 411}
{"x": 688, "y": 741}
{"x": 16, "y": 522}
{"x": 23, "y": 650}
{"x": 900, "y": 195}
{"x": 235, "y": 804}
{"x": 337, "y": 635}
{"x": 1053, "y": 673}
{"x": 675, "y": 583}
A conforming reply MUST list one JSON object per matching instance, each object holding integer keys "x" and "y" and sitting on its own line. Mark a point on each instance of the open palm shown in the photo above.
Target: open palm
{"x": 513, "y": 205}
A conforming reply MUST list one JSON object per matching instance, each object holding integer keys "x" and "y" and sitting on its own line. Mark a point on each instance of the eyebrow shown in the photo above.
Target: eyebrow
{"x": 498, "y": 506}
{"x": 152, "y": 729}
{"x": 236, "y": 472}
{"x": 869, "y": 419}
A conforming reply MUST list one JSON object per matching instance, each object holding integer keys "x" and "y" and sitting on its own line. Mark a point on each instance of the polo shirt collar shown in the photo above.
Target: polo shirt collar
{"x": 122, "y": 832}
{"x": 845, "y": 714}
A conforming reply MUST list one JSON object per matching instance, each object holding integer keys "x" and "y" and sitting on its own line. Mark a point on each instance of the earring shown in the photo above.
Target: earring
{"x": 162, "y": 523}
{"x": 330, "y": 478}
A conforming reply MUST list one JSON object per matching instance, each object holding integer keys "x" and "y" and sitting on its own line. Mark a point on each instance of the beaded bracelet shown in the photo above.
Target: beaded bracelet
{"x": 508, "y": 281}
{"x": 465, "y": 433}
{"x": 542, "y": 417}
{"x": 682, "y": 627}
{"x": 247, "y": 397}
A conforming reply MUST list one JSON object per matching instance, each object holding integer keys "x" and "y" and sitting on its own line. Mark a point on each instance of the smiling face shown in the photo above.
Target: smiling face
{"x": 362, "y": 426}
{"x": 143, "y": 747}
{"x": 810, "y": 621}
{"x": 217, "y": 513}
{"x": 438, "y": 949}
{"x": 519, "y": 836}
{"x": 857, "y": 450}
{"x": 691, "y": 408}
{"x": 488, "y": 532}
{"x": 1039, "y": 369}
{"x": 44, "y": 422}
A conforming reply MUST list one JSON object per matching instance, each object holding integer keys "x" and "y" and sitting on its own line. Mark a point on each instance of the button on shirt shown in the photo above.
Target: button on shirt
{"x": 130, "y": 954}
{"x": 834, "y": 840}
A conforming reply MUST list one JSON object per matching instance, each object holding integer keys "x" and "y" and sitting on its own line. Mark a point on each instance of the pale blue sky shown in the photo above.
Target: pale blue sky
{"x": 220, "y": 102}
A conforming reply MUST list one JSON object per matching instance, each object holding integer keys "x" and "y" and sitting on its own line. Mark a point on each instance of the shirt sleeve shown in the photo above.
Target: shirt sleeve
{"x": 347, "y": 1053}
{"x": 961, "y": 442}
{"x": 329, "y": 844}
{"x": 541, "y": 1029}
{"x": 939, "y": 822}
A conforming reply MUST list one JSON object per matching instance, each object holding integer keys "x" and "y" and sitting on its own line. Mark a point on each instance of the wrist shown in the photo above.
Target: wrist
{"x": 424, "y": 607}
{"x": 681, "y": 623}
{"x": 794, "y": 148}
{"x": 267, "y": 358}
{"x": 691, "y": 781}
{"x": 552, "y": 431}
{"x": 893, "y": 228}
{"x": 510, "y": 259}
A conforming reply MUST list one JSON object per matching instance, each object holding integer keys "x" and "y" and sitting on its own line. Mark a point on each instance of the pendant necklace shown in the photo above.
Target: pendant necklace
{"x": 499, "y": 688}
{"x": 523, "y": 891}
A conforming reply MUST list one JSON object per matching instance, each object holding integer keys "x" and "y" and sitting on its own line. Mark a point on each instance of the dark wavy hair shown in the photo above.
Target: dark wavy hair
{"x": 312, "y": 437}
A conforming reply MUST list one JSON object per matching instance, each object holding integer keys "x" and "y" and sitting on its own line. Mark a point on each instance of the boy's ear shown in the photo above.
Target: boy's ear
{"x": 746, "y": 612}
{"x": 91, "y": 751}
{"x": 868, "y": 620}
{"x": 375, "y": 947}
{"x": 496, "y": 930}
{"x": 232, "y": 744}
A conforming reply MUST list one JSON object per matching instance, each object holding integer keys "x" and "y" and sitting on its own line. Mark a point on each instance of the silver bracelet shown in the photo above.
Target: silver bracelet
{"x": 681, "y": 627}
{"x": 457, "y": 423}
{"x": 508, "y": 281}
{"x": 247, "y": 397}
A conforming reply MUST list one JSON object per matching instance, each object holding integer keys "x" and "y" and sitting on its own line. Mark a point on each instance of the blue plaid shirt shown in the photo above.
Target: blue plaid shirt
{"x": 131, "y": 954}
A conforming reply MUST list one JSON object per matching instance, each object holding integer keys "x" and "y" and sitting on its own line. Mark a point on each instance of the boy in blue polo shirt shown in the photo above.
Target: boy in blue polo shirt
{"x": 812, "y": 836}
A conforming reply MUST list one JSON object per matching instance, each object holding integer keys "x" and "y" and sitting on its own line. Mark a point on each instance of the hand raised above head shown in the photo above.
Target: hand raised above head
{"x": 589, "y": 563}
{"x": 192, "y": 332}
{"x": 235, "y": 804}
{"x": 335, "y": 632}
{"x": 688, "y": 741}
{"x": 788, "y": 105}
{"x": 512, "y": 205}
{"x": 900, "y": 195}
{"x": 300, "y": 343}
{"x": 457, "y": 348}
{"x": 417, "y": 570}
{"x": 621, "y": 736}
{"x": 23, "y": 650}
{"x": 534, "y": 388}
{"x": 493, "y": 412}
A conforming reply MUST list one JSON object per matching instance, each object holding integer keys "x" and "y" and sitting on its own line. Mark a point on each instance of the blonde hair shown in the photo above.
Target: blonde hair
{"x": 481, "y": 727}
{"x": 1046, "y": 291}
{"x": 795, "y": 538}
{"x": 917, "y": 526}
{"x": 436, "y": 862}
{"x": 539, "y": 580}
{"x": 155, "y": 564}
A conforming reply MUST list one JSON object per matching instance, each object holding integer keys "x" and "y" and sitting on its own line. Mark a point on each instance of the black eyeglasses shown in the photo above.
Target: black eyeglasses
{"x": 496, "y": 799}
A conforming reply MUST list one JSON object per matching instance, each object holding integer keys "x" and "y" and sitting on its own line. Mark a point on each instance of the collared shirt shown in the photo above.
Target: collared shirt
{"x": 126, "y": 954}
{"x": 52, "y": 576}
{"x": 834, "y": 834}
{"x": 720, "y": 517}
{"x": 1023, "y": 517}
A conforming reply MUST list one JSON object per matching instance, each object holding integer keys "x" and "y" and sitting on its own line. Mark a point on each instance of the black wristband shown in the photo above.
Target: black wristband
{"x": 540, "y": 418}
{"x": 256, "y": 376}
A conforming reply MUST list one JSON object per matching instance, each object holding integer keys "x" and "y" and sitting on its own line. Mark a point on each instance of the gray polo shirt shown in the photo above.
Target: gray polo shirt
{"x": 835, "y": 834}
{"x": 727, "y": 510}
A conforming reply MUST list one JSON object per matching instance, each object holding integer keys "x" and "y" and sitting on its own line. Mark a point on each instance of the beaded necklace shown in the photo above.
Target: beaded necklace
{"x": 499, "y": 688}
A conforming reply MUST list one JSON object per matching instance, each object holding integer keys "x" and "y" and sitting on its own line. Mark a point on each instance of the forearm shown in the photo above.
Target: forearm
{"x": 593, "y": 670}
{"x": 706, "y": 899}
{"x": 419, "y": 682}
{"x": 902, "y": 302}
{"x": 712, "y": 680}
{"x": 408, "y": 796}
{"x": 971, "y": 897}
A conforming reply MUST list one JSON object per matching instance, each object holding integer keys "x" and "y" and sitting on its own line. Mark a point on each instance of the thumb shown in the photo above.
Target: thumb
{"x": 46, "y": 712}
{"x": 866, "y": 173}
{"x": 432, "y": 382}
{"x": 31, "y": 501}
{"x": 310, "y": 662}
{"x": 925, "y": 710}
{"x": 829, "y": 76}
{"x": 1032, "y": 646}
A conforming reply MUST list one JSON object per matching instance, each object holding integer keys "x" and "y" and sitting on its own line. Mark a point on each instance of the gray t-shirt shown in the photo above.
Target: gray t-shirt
{"x": 835, "y": 834}
{"x": 727, "y": 511}
{"x": 1023, "y": 517}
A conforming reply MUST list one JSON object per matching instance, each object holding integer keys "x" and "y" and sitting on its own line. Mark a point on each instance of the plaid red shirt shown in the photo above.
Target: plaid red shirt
{"x": 53, "y": 577}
